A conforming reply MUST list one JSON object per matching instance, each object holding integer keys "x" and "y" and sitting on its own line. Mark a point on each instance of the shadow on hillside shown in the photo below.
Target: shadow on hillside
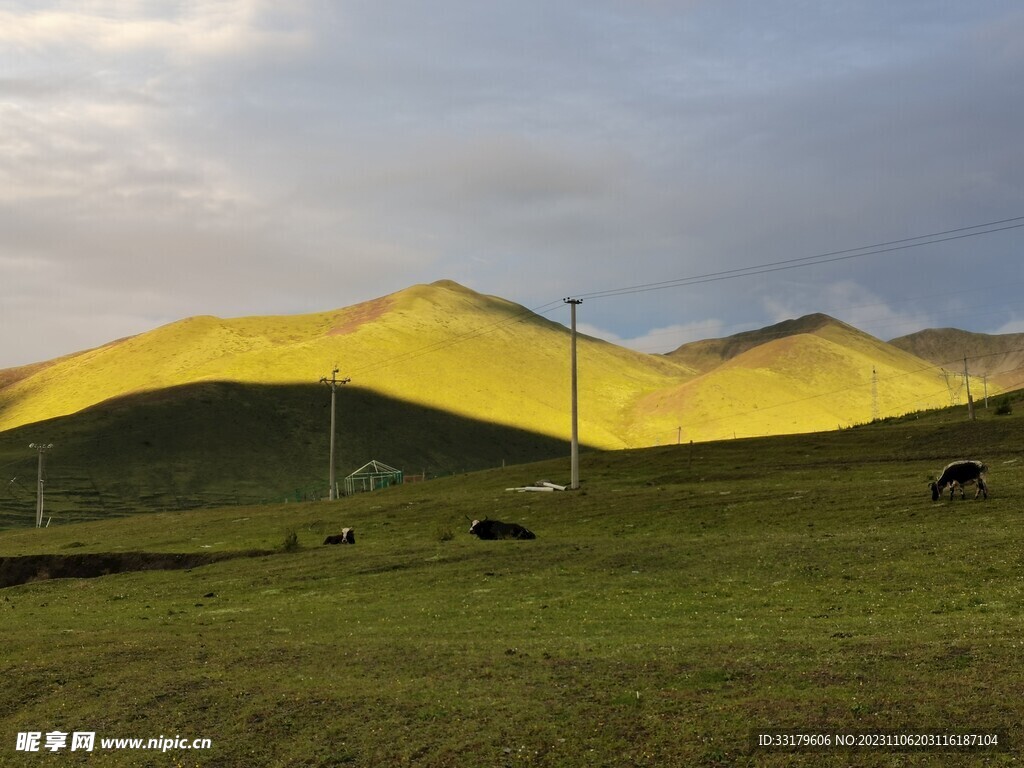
{"x": 217, "y": 443}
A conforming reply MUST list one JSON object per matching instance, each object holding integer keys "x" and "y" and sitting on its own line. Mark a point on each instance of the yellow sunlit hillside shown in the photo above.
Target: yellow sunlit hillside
{"x": 449, "y": 348}
{"x": 829, "y": 376}
{"x": 439, "y": 345}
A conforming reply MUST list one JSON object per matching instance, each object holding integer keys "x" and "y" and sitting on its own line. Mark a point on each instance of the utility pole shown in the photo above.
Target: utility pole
{"x": 874, "y": 394}
{"x": 574, "y": 483}
{"x": 970, "y": 402}
{"x": 333, "y": 383}
{"x": 40, "y": 479}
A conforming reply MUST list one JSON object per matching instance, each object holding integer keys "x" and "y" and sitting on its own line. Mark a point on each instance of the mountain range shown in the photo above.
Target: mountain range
{"x": 209, "y": 411}
{"x": 444, "y": 347}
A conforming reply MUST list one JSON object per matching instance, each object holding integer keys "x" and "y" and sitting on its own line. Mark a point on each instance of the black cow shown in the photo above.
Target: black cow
{"x": 495, "y": 529}
{"x": 347, "y": 536}
{"x": 958, "y": 474}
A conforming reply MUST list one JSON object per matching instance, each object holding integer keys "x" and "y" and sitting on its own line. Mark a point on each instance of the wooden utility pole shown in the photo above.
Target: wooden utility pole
{"x": 333, "y": 383}
{"x": 574, "y": 483}
{"x": 874, "y": 395}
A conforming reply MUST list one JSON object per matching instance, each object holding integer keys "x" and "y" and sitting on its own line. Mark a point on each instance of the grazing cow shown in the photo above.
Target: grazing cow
{"x": 495, "y": 529}
{"x": 958, "y": 474}
{"x": 347, "y": 536}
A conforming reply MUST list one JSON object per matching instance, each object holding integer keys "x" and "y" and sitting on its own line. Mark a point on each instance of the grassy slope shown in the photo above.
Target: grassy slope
{"x": 440, "y": 346}
{"x": 815, "y": 379}
{"x": 686, "y": 597}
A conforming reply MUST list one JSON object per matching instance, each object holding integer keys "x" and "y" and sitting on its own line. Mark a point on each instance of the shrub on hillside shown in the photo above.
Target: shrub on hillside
{"x": 444, "y": 532}
{"x": 291, "y": 541}
{"x": 1005, "y": 407}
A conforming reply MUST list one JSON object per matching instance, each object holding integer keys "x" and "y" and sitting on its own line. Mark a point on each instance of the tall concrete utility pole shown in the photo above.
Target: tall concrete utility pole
{"x": 574, "y": 482}
{"x": 333, "y": 383}
{"x": 40, "y": 479}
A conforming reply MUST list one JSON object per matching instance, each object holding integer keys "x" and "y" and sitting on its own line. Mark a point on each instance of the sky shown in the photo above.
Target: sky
{"x": 160, "y": 160}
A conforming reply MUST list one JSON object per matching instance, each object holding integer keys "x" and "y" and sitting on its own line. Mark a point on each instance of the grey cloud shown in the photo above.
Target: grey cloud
{"x": 305, "y": 157}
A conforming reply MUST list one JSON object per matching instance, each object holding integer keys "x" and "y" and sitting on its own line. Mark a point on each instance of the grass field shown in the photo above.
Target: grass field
{"x": 686, "y": 598}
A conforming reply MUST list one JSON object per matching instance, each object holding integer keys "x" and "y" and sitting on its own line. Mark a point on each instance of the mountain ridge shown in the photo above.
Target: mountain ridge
{"x": 440, "y": 346}
{"x": 446, "y": 347}
{"x": 708, "y": 353}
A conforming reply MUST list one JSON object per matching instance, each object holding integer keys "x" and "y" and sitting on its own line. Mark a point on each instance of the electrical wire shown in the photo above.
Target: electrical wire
{"x": 822, "y": 258}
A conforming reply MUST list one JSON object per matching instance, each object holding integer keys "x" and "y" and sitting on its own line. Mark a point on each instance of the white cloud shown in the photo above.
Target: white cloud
{"x": 209, "y": 28}
{"x": 250, "y": 156}
{"x": 1015, "y": 325}
{"x": 660, "y": 340}
{"x": 850, "y": 302}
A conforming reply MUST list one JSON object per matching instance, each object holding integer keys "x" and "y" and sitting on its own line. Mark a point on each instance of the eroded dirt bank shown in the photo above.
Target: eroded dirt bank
{"x": 26, "y": 568}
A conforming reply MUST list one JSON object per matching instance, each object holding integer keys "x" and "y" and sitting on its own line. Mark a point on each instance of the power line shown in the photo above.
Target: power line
{"x": 822, "y": 258}
{"x": 788, "y": 264}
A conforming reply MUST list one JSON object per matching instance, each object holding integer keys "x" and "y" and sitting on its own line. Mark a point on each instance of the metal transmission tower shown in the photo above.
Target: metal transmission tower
{"x": 574, "y": 483}
{"x": 954, "y": 392}
{"x": 333, "y": 383}
{"x": 40, "y": 479}
{"x": 970, "y": 400}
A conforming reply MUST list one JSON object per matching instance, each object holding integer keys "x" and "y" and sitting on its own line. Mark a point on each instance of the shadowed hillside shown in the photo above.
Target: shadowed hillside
{"x": 228, "y": 443}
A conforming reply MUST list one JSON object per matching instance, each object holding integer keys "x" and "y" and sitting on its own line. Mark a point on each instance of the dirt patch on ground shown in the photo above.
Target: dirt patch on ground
{"x": 28, "y": 568}
{"x": 360, "y": 314}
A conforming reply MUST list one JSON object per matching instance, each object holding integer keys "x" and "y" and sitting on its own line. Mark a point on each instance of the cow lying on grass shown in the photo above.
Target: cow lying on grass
{"x": 347, "y": 536}
{"x": 958, "y": 474}
{"x": 495, "y": 529}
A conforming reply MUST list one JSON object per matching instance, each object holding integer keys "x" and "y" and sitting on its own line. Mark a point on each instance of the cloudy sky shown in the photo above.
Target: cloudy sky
{"x": 162, "y": 159}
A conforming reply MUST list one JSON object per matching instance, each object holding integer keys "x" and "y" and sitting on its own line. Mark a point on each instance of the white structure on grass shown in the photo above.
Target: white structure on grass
{"x": 372, "y": 476}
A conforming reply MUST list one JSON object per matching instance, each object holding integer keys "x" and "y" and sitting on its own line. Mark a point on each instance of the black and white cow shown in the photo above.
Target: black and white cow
{"x": 958, "y": 474}
{"x": 347, "y": 536}
{"x": 495, "y": 529}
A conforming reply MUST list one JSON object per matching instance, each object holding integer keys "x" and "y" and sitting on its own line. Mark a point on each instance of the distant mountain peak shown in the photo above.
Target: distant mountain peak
{"x": 449, "y": 284}
{"x": 709, "y": 353}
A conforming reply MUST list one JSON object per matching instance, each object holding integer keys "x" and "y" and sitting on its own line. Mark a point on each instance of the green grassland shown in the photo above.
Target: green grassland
{"x": 684, "y": 598}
